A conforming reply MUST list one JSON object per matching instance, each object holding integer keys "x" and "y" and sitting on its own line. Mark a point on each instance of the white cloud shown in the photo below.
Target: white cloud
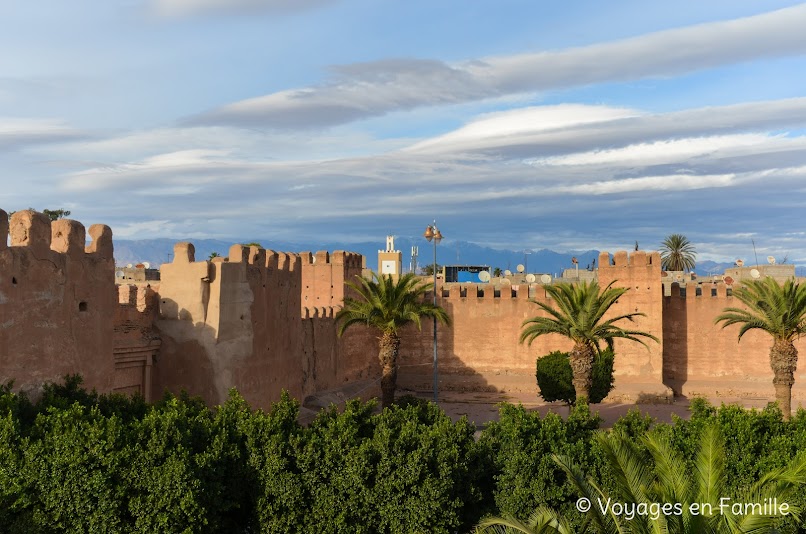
{"x": 376, "y": 88}
{"x": 608, "y": 127}
{"x": 679, "y": 182}
{"x": 22, "y": 132}
{"x": 659, "y": 152}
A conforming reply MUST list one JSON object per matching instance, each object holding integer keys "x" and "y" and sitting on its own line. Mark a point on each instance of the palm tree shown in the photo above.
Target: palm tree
{"x": 579, "y": 317}
{"x": 781, "y": 312}
{"x": 677, "y": 253}
{"x": 693, "y": 494}
{"x": 387, "y": 306}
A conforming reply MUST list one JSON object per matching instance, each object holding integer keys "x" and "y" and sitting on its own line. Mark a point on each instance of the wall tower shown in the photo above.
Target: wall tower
{"x": 390, "y": 261}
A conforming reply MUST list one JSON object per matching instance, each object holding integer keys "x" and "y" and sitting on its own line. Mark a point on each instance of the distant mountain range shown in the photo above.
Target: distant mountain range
{"x": 159, "y": 251}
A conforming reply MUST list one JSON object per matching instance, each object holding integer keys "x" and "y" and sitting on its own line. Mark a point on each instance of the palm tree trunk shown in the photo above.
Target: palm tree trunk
{"x": 388, "y": 348}
{"x": 581, "y": 359}
{"x": 784, "y": 363}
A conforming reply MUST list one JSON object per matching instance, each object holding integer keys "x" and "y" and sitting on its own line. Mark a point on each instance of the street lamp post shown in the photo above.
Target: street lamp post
{"x": 432, "y": 233}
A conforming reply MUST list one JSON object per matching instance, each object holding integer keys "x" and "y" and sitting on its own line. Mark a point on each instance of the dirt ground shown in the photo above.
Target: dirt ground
{"x": 481, "y": 408}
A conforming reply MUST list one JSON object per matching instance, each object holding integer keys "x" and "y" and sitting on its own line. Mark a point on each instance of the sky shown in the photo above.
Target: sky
{"x": 511, "y": 123}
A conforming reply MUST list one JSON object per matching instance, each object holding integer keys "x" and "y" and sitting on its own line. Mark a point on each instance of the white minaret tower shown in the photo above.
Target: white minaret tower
{"x": 390, "y": 261}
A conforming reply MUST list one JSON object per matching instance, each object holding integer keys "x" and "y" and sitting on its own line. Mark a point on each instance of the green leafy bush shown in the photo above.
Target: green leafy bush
{"x": 520, "y": 445}
{"x": 554, "y": 377}
{"x": 78, "y": 461}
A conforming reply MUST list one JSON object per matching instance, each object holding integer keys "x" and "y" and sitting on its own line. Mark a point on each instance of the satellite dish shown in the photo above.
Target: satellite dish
{"x": 507, "y": 273}
{"x": 506, "y": 282}
{"x": 520, "y": 267}
{"x": 146, "y": 265}
{"x": 546, "y": 279}
{"x": 130, "y": 266}
{"x": 118, "y": 274}
{"x": 574, "y": 260}
{"x": 729, "y": 280}
{"x": 754, "y": 273}
{"x": 663, "y": 273}
{"x": 771, "y": 260}
{"x": 530, "y": 278}
{"x": 484, "y": 276}
{"x": 739, "y": 263}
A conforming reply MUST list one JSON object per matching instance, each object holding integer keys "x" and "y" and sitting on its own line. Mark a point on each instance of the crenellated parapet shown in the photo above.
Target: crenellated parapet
{"x": 57, "y": 300}
{"x": 38, "y": 234}
{"x": 320, "y": 312}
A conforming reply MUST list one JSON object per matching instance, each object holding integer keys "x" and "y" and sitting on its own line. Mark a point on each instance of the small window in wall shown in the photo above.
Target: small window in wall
{"x": 730, "y": 292}
{"x": 713, "y": 291}
{"x": 82, "y": 306}
{"x": 698, "y": 292}
{"x": 682, "y": 292}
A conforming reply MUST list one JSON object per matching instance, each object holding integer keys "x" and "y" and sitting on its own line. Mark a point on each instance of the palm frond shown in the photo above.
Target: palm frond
{"x": 779, "y": 310}
{"x": 388, "y": 305}
{"x": 542, "y": 521}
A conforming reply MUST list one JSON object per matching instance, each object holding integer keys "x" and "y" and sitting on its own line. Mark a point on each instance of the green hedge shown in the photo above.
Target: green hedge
{"x": 81, "y": 462}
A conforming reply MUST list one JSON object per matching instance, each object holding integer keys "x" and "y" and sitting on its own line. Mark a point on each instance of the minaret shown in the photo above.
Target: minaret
{"x": 390, "y": 261}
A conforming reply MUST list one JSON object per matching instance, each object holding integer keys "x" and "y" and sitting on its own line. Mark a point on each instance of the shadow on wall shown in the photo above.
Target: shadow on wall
{"x": 184, "y": 361}
{"x": 416, "y": 361}
{"x": 675, "y": 338}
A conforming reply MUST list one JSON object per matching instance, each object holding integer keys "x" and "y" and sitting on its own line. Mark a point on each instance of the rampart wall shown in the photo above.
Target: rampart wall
{"x": 135, "y": 341}
{"x": 240, "y": 321}
{"x": 700, "y": 357}
{"x": 57, "y": 301}
{"x": 263, "y": 321}
{"x": 324, "y": 276}
{"x": 481, "y": 350}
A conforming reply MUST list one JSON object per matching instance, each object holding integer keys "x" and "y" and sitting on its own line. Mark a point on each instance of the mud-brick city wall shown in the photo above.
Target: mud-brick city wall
{"x": 239, "y": 322}
{"x": 701, "y": 357}
{"x": 57, "y": 301}
{"x": 481, "y": 350}
{"x": 135, "y": 341}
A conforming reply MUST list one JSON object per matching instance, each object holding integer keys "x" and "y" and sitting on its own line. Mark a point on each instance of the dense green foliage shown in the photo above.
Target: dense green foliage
{"x": 554, "y": 377}
{"x": 76, "y": 461}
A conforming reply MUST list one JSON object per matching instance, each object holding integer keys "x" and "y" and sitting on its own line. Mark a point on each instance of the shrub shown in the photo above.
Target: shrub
{"x": 554, "y": 377}
{"x": 520, "y": 445}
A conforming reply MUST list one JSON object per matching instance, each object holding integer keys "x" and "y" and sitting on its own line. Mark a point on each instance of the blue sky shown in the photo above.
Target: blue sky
{"x": 516, "y": 124}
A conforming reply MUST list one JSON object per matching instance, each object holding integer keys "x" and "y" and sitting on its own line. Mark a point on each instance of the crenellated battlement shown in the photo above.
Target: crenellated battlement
{"x": 622, "y": 258}
{"x": 57, "y": 300}
{"x": 491, "y": 292}
{"x": 36, "y": 232}
{"x": 338, "y": 257}
{"x": 700, "y": 290}
{"x": 320, "y": 312}
{"x": 141, "y": 297}
{"x": 325, "y": 275}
